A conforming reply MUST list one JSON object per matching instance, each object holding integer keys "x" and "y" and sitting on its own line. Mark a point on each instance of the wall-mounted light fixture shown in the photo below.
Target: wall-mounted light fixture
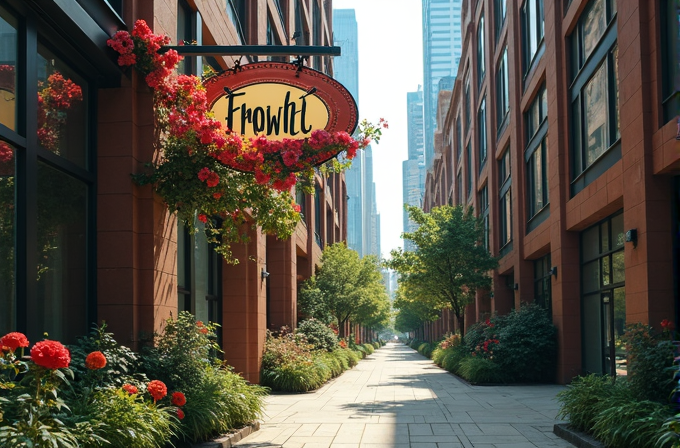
{"x": 553, "y": 271}
{"x": 631, "y": 237}
{"x": 264, "y": 274}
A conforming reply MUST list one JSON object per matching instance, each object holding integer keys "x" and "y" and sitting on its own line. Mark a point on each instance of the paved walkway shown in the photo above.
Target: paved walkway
{"x": 396, "y": 398}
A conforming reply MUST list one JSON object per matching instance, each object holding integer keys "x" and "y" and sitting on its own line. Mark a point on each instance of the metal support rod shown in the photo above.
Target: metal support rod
{"x": 254, "y": 50}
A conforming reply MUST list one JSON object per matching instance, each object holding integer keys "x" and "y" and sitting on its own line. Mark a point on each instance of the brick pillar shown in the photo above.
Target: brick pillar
{"x": 136, "y": 236}
{"x": 649, "y": 265}
{"x": 282, "y": 283}
{"x": 245, "y": 308}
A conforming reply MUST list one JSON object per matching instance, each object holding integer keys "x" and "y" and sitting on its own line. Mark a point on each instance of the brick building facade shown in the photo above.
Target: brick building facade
{"x": 562, "y": 134}
{"x": 80, "y": 242}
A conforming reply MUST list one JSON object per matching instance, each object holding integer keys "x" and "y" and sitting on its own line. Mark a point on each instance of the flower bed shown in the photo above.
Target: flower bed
{"x": 98, "y": 393}
{"x": 292, "y": 364}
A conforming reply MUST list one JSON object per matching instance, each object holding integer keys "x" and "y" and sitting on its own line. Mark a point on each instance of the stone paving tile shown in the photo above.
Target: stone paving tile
{"x": 395, "y": 398}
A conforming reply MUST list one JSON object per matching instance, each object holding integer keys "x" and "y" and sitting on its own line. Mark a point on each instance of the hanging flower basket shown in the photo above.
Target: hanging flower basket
{"x": 207, "y": 172}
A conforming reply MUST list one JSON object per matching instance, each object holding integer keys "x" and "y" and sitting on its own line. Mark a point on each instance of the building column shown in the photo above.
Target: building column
{"x": 136, "y": 235}
{"x": 647, "y": 197}
{"x": 282, "y": 283}
{"x": 244, "y": 307}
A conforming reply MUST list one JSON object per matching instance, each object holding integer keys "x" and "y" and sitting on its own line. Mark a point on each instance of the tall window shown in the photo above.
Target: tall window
{"x": 670, "y": 58}
{"x": 459, "y": 184}
{"x": 459, "y": 136}
{"x": 236, "y": 10}
{"x": 481, "y": 125}
{"x": 467, "y": 102}
{"x": 535, "y": 156}
{"x": 188, "y": 27}
{"x": 47, "y": 179}
{"x": 484, "y": 213}
{"x": 532, "y": 30}
{"x": 500, "y": 9}
{"x": 603, "y": 299}
{"x": 542, "y": 283}
{"x": 505, "y": 206}
{"x": 468, "y": 171}
{"x": 317, "y": 215}
{"x": 594, "y": 93}
{"x": 502, "y": 92}
{"x": 480, "y": 53}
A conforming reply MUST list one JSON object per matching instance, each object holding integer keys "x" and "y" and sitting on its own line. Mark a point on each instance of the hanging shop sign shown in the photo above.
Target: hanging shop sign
{"x": 280, "y": 100}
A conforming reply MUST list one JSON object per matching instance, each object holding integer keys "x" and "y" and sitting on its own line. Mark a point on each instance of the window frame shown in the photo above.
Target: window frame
{"x": 583, "y": 71}
{"x": 529, "y": 59}
{"x": 481, "y": 52}
{"x": 502, "y": 93}
{"x": 482, "y": 140}
{"x": 537, "y": 143}
{"x": 505, "y": 183}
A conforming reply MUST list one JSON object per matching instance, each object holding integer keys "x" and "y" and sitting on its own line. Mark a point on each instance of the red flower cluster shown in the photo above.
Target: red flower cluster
{"x": 141, "y": 50}
{"x": 50, "y": 354}
{"x": 56, "y": 97}
{"x": 129, "y": 388}
{"x": 95, "y": 361}
{"x": 157, "y": 389}
{"x": 13, "y": 341}
{"x": 178, "y": 399}
{"x": 180, "y": 414}
{"x": 209, "y": 177}
{"x": 667, "y": 325}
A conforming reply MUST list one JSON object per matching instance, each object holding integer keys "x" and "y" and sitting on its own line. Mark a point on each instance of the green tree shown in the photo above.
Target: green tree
{"x": 449, "y": 263}
{"x": 412, "y": 311}
{"x": 346, "y": 288}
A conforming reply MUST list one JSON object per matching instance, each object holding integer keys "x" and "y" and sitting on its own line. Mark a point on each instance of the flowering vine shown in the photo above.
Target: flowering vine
{"x": 209, "y": 173}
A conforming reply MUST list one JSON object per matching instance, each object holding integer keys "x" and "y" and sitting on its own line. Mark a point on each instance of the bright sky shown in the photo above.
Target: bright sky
{"x": 390, "y": 65}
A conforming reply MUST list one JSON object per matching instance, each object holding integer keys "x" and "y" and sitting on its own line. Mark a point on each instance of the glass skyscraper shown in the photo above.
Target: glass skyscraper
{"x": 363, "y": 220}
{"x": 442, "y": 47}
{"x": 414, "y": 168}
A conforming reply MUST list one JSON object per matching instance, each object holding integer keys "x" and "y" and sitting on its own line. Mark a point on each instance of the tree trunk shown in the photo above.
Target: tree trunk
{"x": 452, "y": 321}
{"x": 461, "y": 324}
{"x": 341, "y": 328}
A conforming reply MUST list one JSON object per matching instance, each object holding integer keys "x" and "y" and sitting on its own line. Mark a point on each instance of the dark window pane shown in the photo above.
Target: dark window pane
{"x": 604, "y": 232}
{"x": 615, "y": 87}
{"x": 591, "y": 243}
{"x": 7, "y": 238}
{"x": 61, "y": 308}
{"x": 591, "y": 276}
{"x": 62, "y": 117}
{"x": 618, "y": 267}
{"x": 594, "y": 25}
{"x": 8, "y": 70}
{"x": 595, "y": 108}
{"x": 617, "y": 231}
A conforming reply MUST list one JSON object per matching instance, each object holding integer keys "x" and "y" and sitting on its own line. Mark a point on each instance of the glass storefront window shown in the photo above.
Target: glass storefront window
{"x": 61, "y": 306}
{"x": 8, "y": 69}
{"x": 603, "y": 297}
{"x": 62, "y": 121}
{"x": 7, "y": 238}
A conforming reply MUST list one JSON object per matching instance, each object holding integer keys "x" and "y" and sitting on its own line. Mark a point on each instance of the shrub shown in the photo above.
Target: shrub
{"x": 649, "y": 357}
{"x": 127, "y": 420}
{"x": 453, "y": 358}
{"x": 622, "y": 422}
{"x": 579, "y": 402}
{"x": 480, "y": 370}
{"x": 438, "y": 355}
{"x": 527, "y": 347}
{"x": 369, "y": 348}
{"x": 318, "y": 334}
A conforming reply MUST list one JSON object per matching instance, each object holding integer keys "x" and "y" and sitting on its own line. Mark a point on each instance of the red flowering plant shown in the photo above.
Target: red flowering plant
{"x": 208, "y": 173}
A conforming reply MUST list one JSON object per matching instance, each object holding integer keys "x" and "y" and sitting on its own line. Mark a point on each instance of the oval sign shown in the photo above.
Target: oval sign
{"x": 280, "y": 100}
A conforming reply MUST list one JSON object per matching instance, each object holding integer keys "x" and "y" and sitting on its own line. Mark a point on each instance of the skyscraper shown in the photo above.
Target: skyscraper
{"x": 442, "y": 47}
{"x": 346, "y": 69}
{"x": 414, "y": 167}
{"x": 363, "y": 220}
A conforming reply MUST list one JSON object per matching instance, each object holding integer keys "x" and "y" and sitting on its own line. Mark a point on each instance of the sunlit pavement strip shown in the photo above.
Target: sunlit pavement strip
{"x": 397, "y": 398}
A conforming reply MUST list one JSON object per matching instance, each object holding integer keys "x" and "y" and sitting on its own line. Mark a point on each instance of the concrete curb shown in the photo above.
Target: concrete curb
{"x": 229, "y": 440}
{"x": 576, "y": 438}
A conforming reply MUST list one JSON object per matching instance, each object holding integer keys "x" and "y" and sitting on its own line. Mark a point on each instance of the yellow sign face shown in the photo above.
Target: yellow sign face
{"x": 275, "y": 110}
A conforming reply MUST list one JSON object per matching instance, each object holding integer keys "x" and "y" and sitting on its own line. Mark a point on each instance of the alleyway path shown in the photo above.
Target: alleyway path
{"x": 397, "y": 398}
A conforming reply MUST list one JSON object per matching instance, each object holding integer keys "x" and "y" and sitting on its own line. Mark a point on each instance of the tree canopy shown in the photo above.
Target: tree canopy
{"x": 449, "y": 263}
{"x": 346, "y": 288}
